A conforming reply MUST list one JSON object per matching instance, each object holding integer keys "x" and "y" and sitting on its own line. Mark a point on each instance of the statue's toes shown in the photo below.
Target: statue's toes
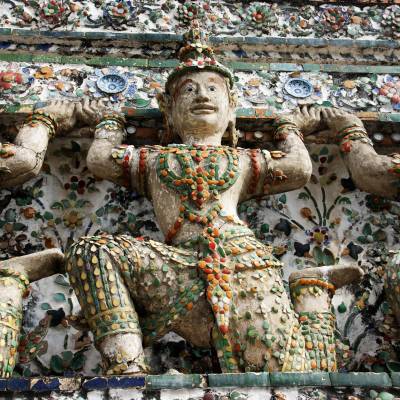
{"x": 339, "y": 275}
{"x": 37, "y": 265}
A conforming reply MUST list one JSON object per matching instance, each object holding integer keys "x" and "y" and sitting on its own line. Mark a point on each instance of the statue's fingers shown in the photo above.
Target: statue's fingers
{"x": 325, "y": 113}
{"x": 314, "y": 112}
{"x": 86, "y": 105}
{"x": 305, "y": 111}
{"x": 78, "y": 108}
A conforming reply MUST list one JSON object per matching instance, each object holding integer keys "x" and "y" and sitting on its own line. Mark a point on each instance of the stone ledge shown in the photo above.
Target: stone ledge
{"x": 361, "y": 379}
{"x": 284, "y": 379}
{"x": 144, "y": 38}
{"x": 190, "y": 381}
{"x": 172, "y": 63}
{"x": 248, "y": 379}
{"x": 175, "y": 381}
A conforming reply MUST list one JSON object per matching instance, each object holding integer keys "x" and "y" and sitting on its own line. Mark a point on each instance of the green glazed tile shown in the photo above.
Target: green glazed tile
{"x": 136, "y": 62}
{"x": 163, "y": 63}
{"x": 246, "y": 66}
{"x": 143, "y": 113}
{"x": 245, "y": 112}
{"x": 174, "y": 381}
{"x": 361, "y": 379}
{"x": 16, "y": 57}
{"x": 248, "y": 379}
{"x": 285, "y": 67}
{"x": 395, "y": 376}
{"x": 46, "y": 58}
{"x": 311, "y": 67}
{"x": 283, "y": 379}
{"x": 73, "y": 60}
{"x": 394, "y": 117}
{"x": 5, "y": 31}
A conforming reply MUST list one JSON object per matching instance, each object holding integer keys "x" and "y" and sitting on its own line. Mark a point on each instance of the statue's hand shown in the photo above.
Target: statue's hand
{"x": 63, "y": 112}
{"x": 90, "y": 112}
{"x": 338, "y": 120}
{"x": 307, "y": 119}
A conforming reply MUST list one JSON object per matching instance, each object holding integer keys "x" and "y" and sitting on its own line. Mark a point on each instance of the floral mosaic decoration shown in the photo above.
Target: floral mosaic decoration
{"x": 222, "y": 17}
{"x": 132, "y": 87}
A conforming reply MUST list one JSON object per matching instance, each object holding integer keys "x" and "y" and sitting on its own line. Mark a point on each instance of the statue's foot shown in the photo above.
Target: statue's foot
{"x": 123, "y": 354}
{"x": 338, "y": 275}
{"x": 37, "y": 265}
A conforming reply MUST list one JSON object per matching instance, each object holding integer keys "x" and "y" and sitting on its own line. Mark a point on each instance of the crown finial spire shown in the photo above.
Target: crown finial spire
{"x": 196, "y": 55}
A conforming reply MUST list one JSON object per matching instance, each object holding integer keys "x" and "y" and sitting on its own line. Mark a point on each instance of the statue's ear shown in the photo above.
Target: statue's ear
{"x": 233, "y": 98}
{"x": 164, "y": 102}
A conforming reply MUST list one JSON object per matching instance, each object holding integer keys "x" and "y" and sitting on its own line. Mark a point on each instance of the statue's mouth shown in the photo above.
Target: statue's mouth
{"x": 203, "y": 109}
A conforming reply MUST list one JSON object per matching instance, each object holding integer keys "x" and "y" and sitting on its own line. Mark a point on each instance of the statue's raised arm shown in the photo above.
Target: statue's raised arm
{"x": 107, "y": 158}
{"x": 370, "y": 171}
{"x": 22, "y": 160}
{"x": 287, "y": 167}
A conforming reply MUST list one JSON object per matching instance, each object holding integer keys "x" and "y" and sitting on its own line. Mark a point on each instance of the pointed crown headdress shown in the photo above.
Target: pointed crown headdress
{"x": 197, "y": 55}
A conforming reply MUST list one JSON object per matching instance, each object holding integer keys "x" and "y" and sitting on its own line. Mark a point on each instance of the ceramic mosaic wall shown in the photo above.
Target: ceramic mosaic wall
{"x": 327, "y": 222}
{"x": 135, "y": 87}
{"x": 219, "y": 17}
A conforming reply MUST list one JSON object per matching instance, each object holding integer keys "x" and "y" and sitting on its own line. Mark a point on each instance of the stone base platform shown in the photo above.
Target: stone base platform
{"x": 247, "y": 386}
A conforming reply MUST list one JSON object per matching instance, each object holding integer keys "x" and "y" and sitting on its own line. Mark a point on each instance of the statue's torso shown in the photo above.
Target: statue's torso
{"x": 166, "y": 182}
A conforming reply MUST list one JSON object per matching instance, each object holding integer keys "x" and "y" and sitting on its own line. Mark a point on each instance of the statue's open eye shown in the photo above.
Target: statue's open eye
{"x": 212, "y": 88}
{"x": 190, "y": 88}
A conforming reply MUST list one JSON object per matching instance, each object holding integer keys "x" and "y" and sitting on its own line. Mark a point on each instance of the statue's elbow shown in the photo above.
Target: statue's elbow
{"x": 20, "y": 172}
{"x": 94, "y": 163}
{"x": 100, "y": 166}
{"x": 303, "y": 172}
{"x": 372, "y": 174}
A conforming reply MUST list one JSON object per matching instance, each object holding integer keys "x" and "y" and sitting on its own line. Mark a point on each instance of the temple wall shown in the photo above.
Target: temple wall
{"x": 283, "y": 55}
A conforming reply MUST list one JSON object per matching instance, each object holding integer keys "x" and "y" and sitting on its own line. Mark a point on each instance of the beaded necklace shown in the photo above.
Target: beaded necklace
{"x": 197, "y": 184}
{"x": 201, "y": 182}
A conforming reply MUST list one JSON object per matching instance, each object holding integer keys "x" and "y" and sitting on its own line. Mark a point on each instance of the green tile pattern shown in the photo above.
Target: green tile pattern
{"x": 289, "y": 379}
{"x": 172, "y": 63}
{"x": 395, "y": 377}
{"x": 174, "y": 381}
{"x": 247, "y": 379}
{"x": 361, "y": 379}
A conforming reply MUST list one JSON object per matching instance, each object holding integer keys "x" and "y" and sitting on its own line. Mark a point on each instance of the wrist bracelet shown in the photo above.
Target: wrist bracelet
{"x": 122, "y": 155}
{"x": 45, "y": 119}
{"x": 111, "y": 122}
{"x": 20, "y": 278}
{"x": 350, "y": 134}
{"x": 7, "y": 150}
{"x": 283, "y": 127}
{"x": 395, "y": 169}
{"x": 312, "y": 282}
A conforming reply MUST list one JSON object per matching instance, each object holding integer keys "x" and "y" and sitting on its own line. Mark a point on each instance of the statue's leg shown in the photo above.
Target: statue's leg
{"x": 263, "y": 326}
{"x": 113, "y": 275}
{"x": 312, "y": 291}
{"x": 15, "y": 274}
{"x": 95, "y": 266}
{"x": 168, "y": 287}
{"x": 391, "y": 281}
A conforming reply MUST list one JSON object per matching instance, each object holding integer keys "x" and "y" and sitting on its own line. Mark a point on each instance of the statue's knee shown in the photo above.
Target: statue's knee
{"x": 76, "y": 256}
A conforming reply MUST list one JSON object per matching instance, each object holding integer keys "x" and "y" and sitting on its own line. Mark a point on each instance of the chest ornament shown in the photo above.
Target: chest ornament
{"x": 199, "y": 182}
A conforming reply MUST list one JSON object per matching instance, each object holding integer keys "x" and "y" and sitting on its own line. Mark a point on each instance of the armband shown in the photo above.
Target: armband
{"x": 45, "y": 119}
{"x": 350, "y": 134}
{"x": 110, "y": 122}
{"x": 283, "y": 127}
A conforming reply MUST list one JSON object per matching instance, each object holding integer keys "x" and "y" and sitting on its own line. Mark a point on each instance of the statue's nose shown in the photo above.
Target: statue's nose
{"x": 202, "y": 95}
